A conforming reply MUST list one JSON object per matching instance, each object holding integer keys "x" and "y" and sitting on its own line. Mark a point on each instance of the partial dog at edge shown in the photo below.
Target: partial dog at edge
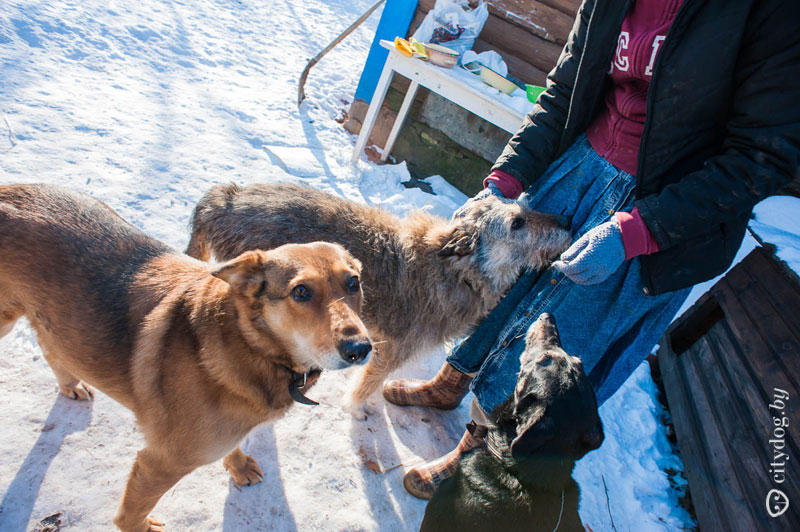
{"x": 522, "y": 480}
{"x": 426, "y": 280}
{"x": 201, "y": 354}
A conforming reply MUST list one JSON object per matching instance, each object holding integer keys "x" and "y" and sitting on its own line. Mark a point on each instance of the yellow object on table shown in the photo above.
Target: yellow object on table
{"x": 410, "y": 48}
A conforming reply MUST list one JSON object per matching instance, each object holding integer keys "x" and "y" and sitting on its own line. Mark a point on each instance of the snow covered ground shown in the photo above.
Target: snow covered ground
{"x": 146, "y": 105}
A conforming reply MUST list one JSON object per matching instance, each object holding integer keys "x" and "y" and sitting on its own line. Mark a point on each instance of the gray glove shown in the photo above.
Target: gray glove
{"x": 595, "y": 256}
{"x": 490, "y": 190}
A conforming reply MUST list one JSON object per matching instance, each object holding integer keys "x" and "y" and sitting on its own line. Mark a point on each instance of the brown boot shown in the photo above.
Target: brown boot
{"x": 422, "y": 480}
{"x": 444, "y": 391}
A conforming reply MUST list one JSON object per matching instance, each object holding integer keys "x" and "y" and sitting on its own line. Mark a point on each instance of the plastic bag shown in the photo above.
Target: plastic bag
{"x": 453, "y": 24}
{"x": 472, "y": 62}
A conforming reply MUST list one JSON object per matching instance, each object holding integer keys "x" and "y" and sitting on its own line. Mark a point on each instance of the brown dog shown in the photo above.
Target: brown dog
{"x": 426, "y": 280}
{"x": 200, "y": 354}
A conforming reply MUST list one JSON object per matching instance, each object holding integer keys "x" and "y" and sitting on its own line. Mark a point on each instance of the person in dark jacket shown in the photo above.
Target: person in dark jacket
{"x": 664, "y": 122}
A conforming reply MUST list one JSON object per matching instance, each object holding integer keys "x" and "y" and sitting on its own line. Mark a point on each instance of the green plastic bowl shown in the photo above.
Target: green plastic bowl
{"x": 533, "y": 92}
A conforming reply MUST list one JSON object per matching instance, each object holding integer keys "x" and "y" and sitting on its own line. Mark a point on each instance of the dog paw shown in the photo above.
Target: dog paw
{"x": 154, "y": 525}
{"x": 359, "y": 411}
{"x": 247, "y": 474}
{"x": 80, "y": 391}
{"x": 148, "y": 525}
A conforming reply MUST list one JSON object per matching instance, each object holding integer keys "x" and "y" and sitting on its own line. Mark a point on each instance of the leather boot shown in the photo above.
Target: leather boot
{"x": 444, "y": 391}
{"x": 421, "y": 481}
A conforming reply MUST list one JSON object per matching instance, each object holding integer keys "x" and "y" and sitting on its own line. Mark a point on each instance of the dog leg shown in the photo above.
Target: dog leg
{"x": 152, "y": 475}
{"x": 380, "y": 365}
{"x": 242, "y": 468}
{"x": 7, "y": 320}
{"x": 69, "y": 385}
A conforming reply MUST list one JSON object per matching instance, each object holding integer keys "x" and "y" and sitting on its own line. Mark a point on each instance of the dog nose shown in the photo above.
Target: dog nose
{"x": 564, "y": 221}
{"x": 547, "y": 317}
{"x": 354, "y": 351}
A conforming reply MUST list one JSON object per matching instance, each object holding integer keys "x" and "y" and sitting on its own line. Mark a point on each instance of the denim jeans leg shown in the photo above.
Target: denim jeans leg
{"x": 469, "y": 355}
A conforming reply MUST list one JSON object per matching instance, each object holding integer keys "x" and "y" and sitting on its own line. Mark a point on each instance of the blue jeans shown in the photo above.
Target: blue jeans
{"x": 611, "y": 326}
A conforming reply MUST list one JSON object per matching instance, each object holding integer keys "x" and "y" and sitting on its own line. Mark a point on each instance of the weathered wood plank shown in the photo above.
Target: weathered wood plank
{"x": 755, "y": 322}
{"x": 726, "y": 487}
{"x": 516, "y": 41}
{"x": 703, "y": 316}
{"x": 754, "y": 409}
{"x": 683, "y": 319}
{"x": 568, "y": 7}
{"x": 747, "y": 448}
{"x": 720, "y": 389}
{"x": 517, "y": 67}
{"x": 765, "y": 367}
{"x": 536, "y": 17}
{"x": 781, "y": 284}
{"x": 769, "y": 318}
{"x": 695, "y": 462}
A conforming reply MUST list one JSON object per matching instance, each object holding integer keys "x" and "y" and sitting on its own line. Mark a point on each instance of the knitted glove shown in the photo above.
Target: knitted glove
{"x": 490, "y": 190}
{"x": 594, "y": 256}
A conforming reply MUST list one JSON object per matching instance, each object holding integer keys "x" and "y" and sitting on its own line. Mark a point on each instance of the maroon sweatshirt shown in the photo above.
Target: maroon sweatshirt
{"x": 617, "y": 131}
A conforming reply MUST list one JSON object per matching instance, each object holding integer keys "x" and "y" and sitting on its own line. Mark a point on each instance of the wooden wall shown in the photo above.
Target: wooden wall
{"x": 529, "y": 34}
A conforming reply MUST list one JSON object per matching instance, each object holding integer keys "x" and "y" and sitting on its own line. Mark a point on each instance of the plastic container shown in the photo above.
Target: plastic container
{"x": 533, "y": 92}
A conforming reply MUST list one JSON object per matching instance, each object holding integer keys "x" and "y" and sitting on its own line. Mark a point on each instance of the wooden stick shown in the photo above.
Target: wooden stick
{"x": 301, "y": 95}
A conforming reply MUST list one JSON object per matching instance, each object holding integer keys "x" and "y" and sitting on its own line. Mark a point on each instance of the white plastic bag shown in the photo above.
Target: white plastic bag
{"x": 471, "y": 62}
{"x": 453, "y": 24}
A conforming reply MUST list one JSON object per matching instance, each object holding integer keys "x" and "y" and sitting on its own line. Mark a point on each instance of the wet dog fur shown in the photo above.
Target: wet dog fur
{"x": 522, "y": 481}
{"x": 200, "y": 353}
{"x": 426, "y": 280}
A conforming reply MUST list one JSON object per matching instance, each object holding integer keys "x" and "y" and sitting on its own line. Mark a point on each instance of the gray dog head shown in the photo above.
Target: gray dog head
{"x": 502, "y": 237}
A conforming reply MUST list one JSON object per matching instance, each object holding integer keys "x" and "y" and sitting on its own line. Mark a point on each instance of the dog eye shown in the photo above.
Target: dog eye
{"x": 352, "y": 283}
{"x": 517, "y": 223}
{"x": 301, "y": 293}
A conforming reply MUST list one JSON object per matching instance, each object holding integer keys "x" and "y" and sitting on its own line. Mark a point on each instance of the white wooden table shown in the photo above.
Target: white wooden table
{"x": 443, "y": 81}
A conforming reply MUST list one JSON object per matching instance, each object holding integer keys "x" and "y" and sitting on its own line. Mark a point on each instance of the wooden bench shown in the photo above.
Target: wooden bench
{"x": 724, "y": 362}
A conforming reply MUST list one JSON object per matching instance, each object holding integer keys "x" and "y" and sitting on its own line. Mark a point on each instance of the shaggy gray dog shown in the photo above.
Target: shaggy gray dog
{"x": 426, "y": 280}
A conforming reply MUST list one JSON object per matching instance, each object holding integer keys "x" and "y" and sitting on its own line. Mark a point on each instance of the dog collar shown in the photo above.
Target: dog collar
{"x": 298, "y": 382}
{"x": 500, "y": 449}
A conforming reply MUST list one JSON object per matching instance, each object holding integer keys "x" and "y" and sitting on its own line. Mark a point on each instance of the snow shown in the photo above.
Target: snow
{"x": 777, "y": 221}
{"x": 146, "y": 105}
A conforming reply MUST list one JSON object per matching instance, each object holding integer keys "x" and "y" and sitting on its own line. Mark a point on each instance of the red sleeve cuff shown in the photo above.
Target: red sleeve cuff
{"x": 636, "y": 237}
{"x": 507, "y": 183}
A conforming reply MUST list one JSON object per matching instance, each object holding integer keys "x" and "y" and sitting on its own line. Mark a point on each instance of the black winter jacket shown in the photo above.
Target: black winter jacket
{"x": 722, "y": 129}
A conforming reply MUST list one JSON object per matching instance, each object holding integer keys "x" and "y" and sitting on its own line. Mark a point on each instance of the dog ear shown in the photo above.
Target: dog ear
{"x": 245, "y": 274}
{"x": 533, "y": 430}
{"x": 460, "y": 243}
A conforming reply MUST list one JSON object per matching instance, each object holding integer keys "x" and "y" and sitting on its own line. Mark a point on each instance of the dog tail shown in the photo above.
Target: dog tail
{"x": 216, "y": 201}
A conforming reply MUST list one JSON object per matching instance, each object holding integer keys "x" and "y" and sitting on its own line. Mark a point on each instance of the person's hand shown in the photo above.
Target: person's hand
{"x": 595, "y": 256}
{"x": 490, "y": 190}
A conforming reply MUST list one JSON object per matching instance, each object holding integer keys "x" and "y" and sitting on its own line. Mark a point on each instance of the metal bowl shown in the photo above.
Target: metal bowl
{"x": 441, "y": 55}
